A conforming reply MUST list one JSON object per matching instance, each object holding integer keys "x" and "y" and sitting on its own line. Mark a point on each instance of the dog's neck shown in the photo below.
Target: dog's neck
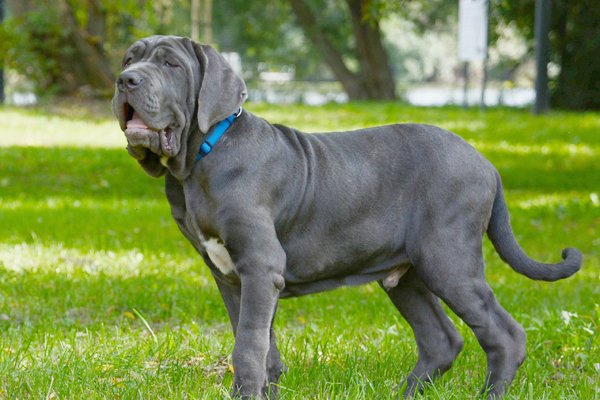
{"x": 215, "y": 134}
{"x": 198, "y": 145}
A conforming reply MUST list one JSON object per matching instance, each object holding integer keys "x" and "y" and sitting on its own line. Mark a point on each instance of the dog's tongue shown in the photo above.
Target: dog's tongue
{"x": 136, "y": 122}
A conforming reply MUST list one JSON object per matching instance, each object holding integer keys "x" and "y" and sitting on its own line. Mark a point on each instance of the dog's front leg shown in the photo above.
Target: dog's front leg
{"x": 252, "y": 341}
{"x": 260, "y": 261}
{"x": 231, "y": 297}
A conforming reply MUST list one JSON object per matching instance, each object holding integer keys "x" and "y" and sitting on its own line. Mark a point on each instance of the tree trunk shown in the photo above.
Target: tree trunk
{"x": 578, "y": 84}
{"x": 79, "y": 57}
{"x": 207, "y": 22}
{"x": 89, "y": 66}
{"x": 376, "y": 74}
{"x": 370, "y": 54}
{"x": 195, "y": 18}
{"x": 332, "y": 57}
{"x": 20, "y": 7}
{"x": 202, "y": 20}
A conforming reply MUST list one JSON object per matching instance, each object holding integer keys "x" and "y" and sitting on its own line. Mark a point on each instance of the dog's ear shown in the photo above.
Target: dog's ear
{"x": 222, "y": 91}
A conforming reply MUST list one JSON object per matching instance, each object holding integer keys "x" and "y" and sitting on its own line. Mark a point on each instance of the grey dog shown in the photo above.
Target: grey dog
{"x": 277, "y": 213}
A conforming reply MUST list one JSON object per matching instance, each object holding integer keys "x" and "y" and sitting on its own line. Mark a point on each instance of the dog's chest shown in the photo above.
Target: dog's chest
{"x": 195, "y": 211}
{"x": 214, "y": 247}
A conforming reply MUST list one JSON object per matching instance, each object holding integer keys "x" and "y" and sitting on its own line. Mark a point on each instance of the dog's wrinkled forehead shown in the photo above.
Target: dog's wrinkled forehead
{"x": 157, "y": 48}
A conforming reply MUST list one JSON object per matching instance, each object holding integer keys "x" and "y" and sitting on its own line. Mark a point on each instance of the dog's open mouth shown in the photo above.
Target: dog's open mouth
{"x": 140, "y": 133}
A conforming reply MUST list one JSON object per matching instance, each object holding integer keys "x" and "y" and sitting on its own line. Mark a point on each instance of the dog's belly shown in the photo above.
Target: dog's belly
{"x": 296, "y": 287}
{"x": 315, "y": 263}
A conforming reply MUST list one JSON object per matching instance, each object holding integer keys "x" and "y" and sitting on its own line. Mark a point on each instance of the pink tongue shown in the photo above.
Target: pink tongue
{"x": 136, "y": 122}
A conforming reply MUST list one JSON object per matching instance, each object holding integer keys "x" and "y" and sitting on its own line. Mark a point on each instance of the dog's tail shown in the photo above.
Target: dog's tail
{"x": 500, "y": 233}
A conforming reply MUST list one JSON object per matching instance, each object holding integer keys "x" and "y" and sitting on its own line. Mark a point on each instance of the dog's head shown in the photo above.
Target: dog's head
{"x": 172, "y": 91}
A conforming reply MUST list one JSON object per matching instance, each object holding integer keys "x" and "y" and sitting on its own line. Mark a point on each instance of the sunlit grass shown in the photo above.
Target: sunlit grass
{"x": 62, "y": 203}
{"x": 21, "y": 128}
{"x": 530, "y": 200}
{"x": 555, "y": 148}
{"x": 89, "y": 253}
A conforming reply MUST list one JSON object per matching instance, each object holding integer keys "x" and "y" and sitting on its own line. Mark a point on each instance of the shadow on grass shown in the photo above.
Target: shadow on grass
{"x": 38, "y": 172}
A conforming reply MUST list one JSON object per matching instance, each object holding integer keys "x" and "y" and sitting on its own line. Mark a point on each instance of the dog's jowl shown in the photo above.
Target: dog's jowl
{"x": 277, "y": 213}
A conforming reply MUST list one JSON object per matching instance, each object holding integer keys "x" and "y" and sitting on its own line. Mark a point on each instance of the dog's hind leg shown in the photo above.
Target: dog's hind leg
{"x": 453, "y": 269}
{"x": 437, "y": 339}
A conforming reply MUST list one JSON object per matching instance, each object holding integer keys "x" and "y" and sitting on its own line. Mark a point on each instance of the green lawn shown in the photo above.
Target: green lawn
{"x": 102, "y": 297}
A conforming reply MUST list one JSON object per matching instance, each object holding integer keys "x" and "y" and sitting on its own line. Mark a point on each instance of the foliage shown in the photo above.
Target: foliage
{"x": 261, "y": 32}
{"x": 364, "y": 71}
{"x": 575, "y": 39}
{"x": 68, "y": 45}
{"x": 575, "y": 43}
{"x": 89, "y": 251}
{"x": 32, "y": 44}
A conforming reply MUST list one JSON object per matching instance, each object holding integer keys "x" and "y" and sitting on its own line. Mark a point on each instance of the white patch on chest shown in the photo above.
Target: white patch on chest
{"x": 219, "y": 255}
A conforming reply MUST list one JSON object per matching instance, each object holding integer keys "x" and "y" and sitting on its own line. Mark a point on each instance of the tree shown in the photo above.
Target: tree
{"x": 575, "y": 45}
{"x": 575, "y": 40}
{"x": 373, "y": 78}
{"x": 266, "y": 36}
{"x": 201, "y": 17}
{"x": 70, "y": 46}
{"x": 60, "y": 44}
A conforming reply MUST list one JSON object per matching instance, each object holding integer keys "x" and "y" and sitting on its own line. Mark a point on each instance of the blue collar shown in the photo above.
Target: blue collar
{"x": 212, "y": 139}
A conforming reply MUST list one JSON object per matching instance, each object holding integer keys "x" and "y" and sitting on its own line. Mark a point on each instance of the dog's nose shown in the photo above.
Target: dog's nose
{"x": 129, "y": 80}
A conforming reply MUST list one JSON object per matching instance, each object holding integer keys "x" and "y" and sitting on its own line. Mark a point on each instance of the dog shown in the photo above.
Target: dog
{"x": 276, "y": 213}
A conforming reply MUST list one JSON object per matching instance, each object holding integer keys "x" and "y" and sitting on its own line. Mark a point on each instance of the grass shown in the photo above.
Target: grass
{"x": 102, "y": 297}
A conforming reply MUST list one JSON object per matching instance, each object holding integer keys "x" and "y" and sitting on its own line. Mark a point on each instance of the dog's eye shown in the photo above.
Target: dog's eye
{"x": 127, "y": 63}
{"x": 170, "y": 65}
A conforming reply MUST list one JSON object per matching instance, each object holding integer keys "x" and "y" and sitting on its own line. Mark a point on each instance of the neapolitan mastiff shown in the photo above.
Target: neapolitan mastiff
{"x": 277, "y": 213}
